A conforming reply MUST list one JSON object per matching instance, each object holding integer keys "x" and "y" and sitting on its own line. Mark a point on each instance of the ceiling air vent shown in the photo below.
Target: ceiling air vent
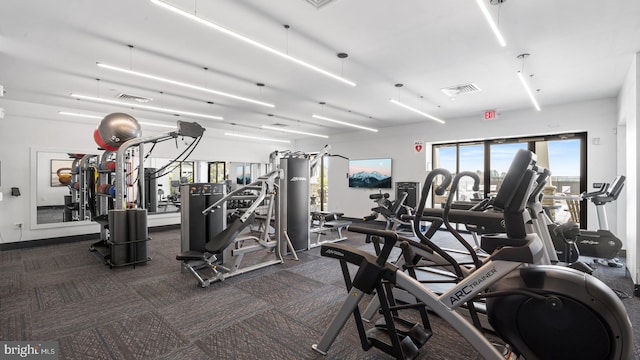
{"x": 133, "y": 98}
{"x": 319, "y": 3}
{"x": 453, "y": 91}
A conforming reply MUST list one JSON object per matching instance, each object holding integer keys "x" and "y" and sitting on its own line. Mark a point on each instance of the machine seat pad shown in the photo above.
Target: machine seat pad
{"x": 192, "y": 255}
{"x": 228, "y": 235}
{"x": 338, "y": 223}
{"x": 383, "y": 210}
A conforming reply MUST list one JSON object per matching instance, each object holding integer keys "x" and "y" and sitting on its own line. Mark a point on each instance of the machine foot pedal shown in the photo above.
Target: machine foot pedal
{"x": 380, "y": 339}
{"x": 418, "y": 335}
{"x": 191, "y": 255}
{"x": 579, "y": 265}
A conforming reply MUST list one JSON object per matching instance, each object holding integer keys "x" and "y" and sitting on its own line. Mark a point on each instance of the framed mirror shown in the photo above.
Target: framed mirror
{"x": 54, "y": 202}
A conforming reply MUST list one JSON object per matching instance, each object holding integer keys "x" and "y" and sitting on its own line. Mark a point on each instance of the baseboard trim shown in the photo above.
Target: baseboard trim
{"x": 69, "y": 239}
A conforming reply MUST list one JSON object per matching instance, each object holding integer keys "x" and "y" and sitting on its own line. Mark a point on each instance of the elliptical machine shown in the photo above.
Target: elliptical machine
{"x": 540, "y": 311}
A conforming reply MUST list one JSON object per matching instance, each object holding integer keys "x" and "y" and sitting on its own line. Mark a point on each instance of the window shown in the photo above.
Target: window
{"x": 563, "y": 154}
{"x": 217, "y": 172}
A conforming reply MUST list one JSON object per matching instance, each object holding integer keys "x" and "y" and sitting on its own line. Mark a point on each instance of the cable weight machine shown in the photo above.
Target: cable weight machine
{"x": 123, "y": 220}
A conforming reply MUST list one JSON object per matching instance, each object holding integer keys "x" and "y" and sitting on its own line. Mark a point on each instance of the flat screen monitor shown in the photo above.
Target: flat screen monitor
{"x": 370, "y": 173}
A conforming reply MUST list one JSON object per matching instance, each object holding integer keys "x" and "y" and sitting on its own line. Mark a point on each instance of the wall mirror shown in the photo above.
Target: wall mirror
{"x": 51, "y": 182}
{"x": 54, "y": 202}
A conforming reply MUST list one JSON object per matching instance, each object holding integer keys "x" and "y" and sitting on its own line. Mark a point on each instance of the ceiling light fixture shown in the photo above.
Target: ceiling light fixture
{"x": 249, "y": 41}
{"x": 178, "y": 83}
{"x": 102, "y": 117}
{"x": 257, "y": 138}
{"x": 492, "y": 24}
{"x": 146, "y": 107}
{"x": 343, "y": 123}
{"x": 524, "y": 83}
{"x": 293, "y": 131}
{"x": 394, "y": 101}
{"x": 66, "y": 113}
{"x": 157, "y": 125}
{"x": 528, "y": 90}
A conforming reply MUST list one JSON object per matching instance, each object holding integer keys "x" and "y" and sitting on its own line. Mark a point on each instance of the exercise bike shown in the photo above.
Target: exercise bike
{"x": 540, "y": 311}
{"x": 601, "y": 243}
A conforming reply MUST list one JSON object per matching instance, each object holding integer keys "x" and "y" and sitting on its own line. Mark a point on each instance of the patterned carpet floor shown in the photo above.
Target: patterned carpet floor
{"x": 156, "y": 311}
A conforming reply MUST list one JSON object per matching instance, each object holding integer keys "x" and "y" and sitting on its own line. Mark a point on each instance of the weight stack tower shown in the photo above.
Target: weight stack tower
{"x": 294, "y": 201}
{"x": 196, "y": 229}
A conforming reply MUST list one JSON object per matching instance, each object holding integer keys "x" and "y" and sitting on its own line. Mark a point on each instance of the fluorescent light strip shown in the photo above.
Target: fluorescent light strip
{"x": 158, "y": 125}
{"x": 492, "y": 24}
{"x": 343, "y": 123}
{"x": 102, "y": 117}
{"x": 249, "y": 41}
{"x": 257, "y": 138}
{"x": 80, "y": 115}
{"x": 416, "y": 111}
{"x": 293, "y": 131}
{"x": 190, "y": 86}
{"x": 528, "y": 89}
{"x": 146, "y": 107}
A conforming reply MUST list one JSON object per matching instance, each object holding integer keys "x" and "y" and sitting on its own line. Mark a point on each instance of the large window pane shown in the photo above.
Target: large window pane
{"x": 563, "y": 160}
{"x": 471, "y": 159}
{"x": 444, "y": 157}
{"x": 500, "y": 159}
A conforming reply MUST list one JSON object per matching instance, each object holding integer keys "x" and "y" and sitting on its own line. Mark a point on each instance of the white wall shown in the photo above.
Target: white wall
{"x": 28, "y": 128}
{"x": 628, "y": 112}
{"x": 598, "y": 118}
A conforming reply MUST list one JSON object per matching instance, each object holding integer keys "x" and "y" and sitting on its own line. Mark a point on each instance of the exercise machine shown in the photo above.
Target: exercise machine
{"x": 120, "y": 197}
{"x": 559, "y": 240}
{"x": 539, "y": 311}
{"x": 324, "y": 224}
{"x": 205, "y": 259}
{"x": 390, "y": 210}
{"x": 601, "y": 243}
{"x": 298, "y": 222}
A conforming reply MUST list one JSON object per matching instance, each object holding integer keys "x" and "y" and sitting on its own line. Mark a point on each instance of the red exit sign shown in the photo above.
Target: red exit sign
{"x": 490, "y": 115}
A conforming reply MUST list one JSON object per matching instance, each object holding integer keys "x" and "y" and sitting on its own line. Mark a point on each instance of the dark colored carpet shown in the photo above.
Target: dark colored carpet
{"x": 156, "y": 311}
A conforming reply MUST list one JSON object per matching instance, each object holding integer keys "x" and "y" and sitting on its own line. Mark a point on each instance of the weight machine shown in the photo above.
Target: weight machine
{"x": 299, "y": 223}
{"x": 206, "y": 241}
{"x": 123, "y": 217}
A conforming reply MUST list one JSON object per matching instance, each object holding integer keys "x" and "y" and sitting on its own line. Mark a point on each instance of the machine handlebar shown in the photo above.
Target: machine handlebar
{"x": 390, "y": 239}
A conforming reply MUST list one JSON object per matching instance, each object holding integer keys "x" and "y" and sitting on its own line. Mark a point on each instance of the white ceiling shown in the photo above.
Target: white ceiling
{"x": 580, "y": 50}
